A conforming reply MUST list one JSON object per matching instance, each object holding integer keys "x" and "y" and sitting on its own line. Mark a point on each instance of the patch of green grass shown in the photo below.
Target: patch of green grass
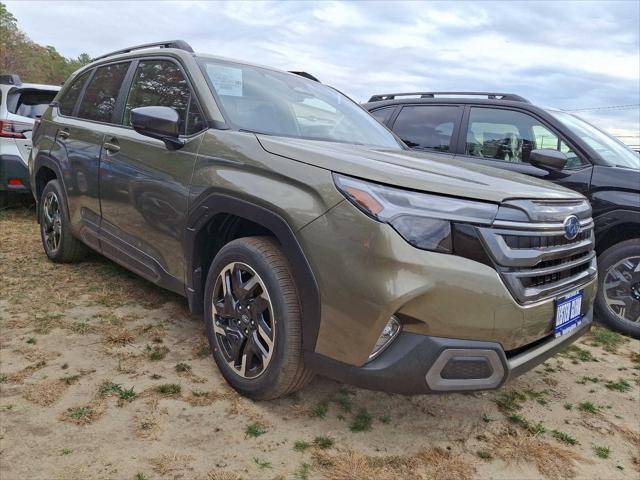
{"x": 320, "y": 410}
{"x": 386, "y": 419}
{"x": 80, "y": 412}
{"x": 183, "y": 368}
{"x": 169, "y": 389}
{"x": 323, "y": 442}
{"x": 605, "y": 338}
{"x": 128, "y": 394}
{"x": 584, "y": 380}
{"x": 620, "y": 386}
{"x": 81, "y": 328}
{"x": 254, "y": 430}
{"x": 262, "y": 464}
{"x": 7, "y": 408}
{"x": 31, "y": 340}
{"x": 343, "y": 398}
{"x": 540, "y": 396}
{"x": 568, "y": 406}
{"x": 302, "y": 472}
{"x": 533, "y": 428}
{"x": 564, "y": 437}
{"x": 588, "y": 407}
{"x": 602, "y": 452}
{"x": 510, "y": 400}
{"x": 487, "y": 418}
{"x": 109, "y": 387}
{"x": 361, "y": 422}
{"x": 156, "y": 353}
{"x": 140, "y": 476}
{"x": 66, "y": 451}
{"x": 577, "y": 354}
{"x": 70, "y": 379}
{"x": 203, "y": 351}
{"x": 484, "y": 455}
{"x": 3, "y": 378}
{"x": 301, "y": 445}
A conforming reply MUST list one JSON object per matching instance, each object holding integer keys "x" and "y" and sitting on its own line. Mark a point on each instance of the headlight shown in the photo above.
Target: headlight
{"x": 422, "y": 219}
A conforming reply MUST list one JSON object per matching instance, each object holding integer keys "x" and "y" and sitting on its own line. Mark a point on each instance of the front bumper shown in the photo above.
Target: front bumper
{"x": 12, "y": 168}
{"x": 366, "y": 273}
{"x": 419, "y": 364}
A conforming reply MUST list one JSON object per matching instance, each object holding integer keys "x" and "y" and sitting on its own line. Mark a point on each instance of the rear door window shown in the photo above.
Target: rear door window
{"x": 383, "y": 115}
{"x": 427, "y": 127}
{"x": 69, "y": 98}
{"x": 99, "y": 100}
{"x": 161, "y": 83}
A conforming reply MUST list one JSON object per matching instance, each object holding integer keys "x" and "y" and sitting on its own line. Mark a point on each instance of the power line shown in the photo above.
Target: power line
{"x": 611, "y": 107}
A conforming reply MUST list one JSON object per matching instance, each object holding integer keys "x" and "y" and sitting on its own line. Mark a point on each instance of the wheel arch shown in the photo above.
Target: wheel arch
{"x": 615, "y": 227}
{"x": 218, "y": 219}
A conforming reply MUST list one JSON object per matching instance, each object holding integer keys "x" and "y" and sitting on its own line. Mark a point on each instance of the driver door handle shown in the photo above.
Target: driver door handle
{"x": 111, "y": 146}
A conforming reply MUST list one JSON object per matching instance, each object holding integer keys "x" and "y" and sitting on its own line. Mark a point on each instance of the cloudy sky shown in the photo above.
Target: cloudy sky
{"x": 569, "y": 55}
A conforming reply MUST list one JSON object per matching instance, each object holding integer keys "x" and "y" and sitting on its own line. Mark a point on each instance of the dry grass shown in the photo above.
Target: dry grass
{"x": 29, "y": 370}
{"x": 222, "y": 475}
{"x": 170, "y": 463}
{"x": 551, "y": 459}
{"x": 147, "y": 424}
{"x": 45, "y": 394}
{"x": 445, "y": 464}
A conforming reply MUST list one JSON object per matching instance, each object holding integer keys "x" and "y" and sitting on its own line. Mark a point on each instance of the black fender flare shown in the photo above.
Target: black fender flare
{"x": 43, "y": 160}
{"x": 306, "y": 283}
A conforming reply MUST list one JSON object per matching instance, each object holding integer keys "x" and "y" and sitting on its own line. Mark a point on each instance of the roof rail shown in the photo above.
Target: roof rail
{"x": 179, "y": 44}
{"x": 10, "y": 80}
{"x": 305, "y": 75}
{"x": 489, "y": 95}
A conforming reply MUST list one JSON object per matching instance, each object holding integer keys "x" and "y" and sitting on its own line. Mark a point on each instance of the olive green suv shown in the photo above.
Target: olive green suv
{"x": 309, "y": 237}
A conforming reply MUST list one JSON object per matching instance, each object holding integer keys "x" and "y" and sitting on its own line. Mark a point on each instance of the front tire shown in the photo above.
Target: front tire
{"x": 253, "y": 319}
{"x": 55, "y": 231}
{"x": 618, "y": 298}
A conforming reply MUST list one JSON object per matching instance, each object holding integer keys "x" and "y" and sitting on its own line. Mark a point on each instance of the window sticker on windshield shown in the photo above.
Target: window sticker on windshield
{"x": 226, "y": 80}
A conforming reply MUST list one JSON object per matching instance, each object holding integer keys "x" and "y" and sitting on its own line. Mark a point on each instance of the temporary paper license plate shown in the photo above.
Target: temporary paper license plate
{"x": 568, "y": 314}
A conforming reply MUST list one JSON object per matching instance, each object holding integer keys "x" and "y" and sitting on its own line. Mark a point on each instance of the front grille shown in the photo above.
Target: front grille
{"x": 518, "y": 241}
{"x": 535, "y": 259}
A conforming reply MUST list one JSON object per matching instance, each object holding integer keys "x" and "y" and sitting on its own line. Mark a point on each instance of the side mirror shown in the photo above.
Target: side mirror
{"x": 548, "y": 159}
{"x": 158, "y": 122}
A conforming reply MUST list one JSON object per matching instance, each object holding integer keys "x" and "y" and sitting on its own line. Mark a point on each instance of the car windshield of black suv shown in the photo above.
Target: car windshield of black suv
{"x": 276, "y": 103}
{"x": 612, "y": 150}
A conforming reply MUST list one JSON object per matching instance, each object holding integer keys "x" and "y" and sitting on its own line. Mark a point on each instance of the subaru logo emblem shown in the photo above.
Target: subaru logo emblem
{"x": 571, "y": 227}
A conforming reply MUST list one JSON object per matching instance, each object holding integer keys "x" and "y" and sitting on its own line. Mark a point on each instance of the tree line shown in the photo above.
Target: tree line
{"x": 32, "y": 62}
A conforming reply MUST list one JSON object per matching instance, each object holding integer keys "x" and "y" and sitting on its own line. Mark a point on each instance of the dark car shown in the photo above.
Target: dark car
{"x": 509, "y": 132}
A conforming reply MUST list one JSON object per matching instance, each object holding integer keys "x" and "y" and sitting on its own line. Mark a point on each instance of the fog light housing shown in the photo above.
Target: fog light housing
{"x": 390, "y": 331}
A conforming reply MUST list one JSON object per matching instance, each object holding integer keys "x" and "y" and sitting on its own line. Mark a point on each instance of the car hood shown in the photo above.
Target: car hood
{"x": 426, "y": 172}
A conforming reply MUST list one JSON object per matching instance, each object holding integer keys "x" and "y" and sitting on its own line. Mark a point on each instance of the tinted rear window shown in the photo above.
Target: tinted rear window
{"x": 427, "y": 126}
{"x": 99, "y": 100}
{"x": 30, "y": 103}
{"x": 69, "y": 98}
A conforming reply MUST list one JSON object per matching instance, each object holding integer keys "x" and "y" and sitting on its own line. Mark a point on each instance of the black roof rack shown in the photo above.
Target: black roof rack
{"x": 10, "y": 80}
{"x": 305, "y": 75}
{"x": 179, "y": 44}
{"x": 489, "y": 95}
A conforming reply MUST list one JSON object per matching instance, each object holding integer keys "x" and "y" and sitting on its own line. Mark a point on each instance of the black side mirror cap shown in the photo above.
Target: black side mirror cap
{"x": 158, "y": 122}
{"x": 548, "y": 159}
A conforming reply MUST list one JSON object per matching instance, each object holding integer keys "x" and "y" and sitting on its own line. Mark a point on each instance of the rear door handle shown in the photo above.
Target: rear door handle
{"x": 111, "y": 146}
{"x": 63, "y": 133}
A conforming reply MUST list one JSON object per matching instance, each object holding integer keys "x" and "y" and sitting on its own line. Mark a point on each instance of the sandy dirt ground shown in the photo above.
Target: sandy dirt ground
{"x": 105, "y": 376}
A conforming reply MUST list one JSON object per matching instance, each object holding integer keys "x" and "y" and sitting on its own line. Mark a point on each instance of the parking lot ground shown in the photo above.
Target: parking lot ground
{"x": 103, "y": 375}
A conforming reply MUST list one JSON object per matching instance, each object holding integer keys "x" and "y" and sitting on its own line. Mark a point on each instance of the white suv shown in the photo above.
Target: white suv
{"x": 20, "y": 105}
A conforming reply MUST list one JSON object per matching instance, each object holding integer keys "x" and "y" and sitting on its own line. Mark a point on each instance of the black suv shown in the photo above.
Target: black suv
{"x": 509, "y": 132}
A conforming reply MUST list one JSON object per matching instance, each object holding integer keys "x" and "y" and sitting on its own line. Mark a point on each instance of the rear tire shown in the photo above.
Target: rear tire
{"x": 253, "y": 319}
{"x": 55, "y": 230}
{"x": 619, "y": 288}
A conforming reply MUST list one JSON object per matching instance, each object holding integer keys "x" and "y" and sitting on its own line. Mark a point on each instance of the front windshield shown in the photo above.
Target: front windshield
{"x": 275, "y": 103}
{"x": 612, "y": 150}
